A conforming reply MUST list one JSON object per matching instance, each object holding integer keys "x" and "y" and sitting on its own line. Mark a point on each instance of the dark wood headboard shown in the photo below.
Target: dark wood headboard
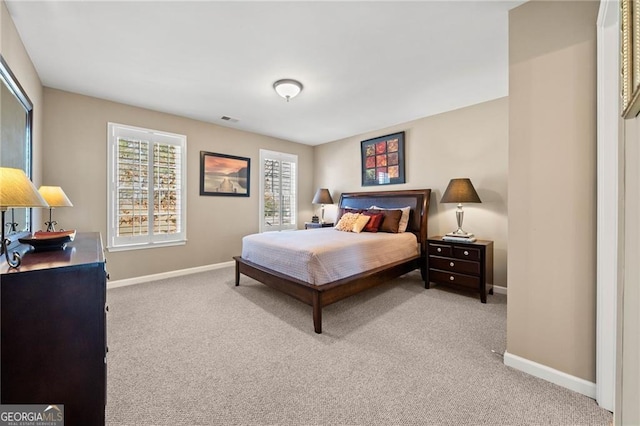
{"x": 417, "y": 199}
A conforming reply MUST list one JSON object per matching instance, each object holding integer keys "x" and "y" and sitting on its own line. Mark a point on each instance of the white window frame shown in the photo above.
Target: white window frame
{"x": 280, "y": 156}
{"x": 120, "y": 243}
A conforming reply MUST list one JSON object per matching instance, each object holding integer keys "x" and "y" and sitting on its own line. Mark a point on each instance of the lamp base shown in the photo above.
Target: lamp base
{"x": 51, "y": 226}
{"x": 4, "y": 248}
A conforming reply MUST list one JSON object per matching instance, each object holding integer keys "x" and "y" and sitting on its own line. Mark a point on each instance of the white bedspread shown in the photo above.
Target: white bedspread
{"x": 320, "y": 256}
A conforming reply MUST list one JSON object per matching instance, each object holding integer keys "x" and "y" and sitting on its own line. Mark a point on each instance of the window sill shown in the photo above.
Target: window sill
{"x": 146, "y": 246}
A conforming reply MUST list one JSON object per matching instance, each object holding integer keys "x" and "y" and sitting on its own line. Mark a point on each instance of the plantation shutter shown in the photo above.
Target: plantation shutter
{"x": 278, "y": 191}
{"x": 146, "y": 177}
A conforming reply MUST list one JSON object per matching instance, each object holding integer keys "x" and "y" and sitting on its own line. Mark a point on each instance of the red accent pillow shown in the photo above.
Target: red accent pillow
{"x": 374, "y": 221}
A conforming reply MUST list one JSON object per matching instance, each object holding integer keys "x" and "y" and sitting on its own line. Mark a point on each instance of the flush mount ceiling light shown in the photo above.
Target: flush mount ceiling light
{"x": 287, "y": 88}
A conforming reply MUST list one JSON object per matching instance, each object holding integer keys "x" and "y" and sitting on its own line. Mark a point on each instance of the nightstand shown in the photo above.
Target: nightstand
{"x": 464, "y": 266}
{"x": 313, "y": 225}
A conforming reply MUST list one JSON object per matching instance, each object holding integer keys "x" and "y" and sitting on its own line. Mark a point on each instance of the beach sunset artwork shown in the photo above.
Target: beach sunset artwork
{"x": 222, "y": 174}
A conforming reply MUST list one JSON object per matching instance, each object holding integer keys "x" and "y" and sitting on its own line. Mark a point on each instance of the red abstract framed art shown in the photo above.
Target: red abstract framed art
{"x": 383, "y": 160}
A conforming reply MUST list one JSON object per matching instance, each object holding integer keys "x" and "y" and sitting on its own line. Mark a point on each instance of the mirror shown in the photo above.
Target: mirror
{"x": 16, "y": 119}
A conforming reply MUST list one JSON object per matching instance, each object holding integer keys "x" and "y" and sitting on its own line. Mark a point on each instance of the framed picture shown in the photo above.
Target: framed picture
{"x": 383, "y": 160}
{"x": 630, "y": 58}
{"x": 222, "y": 174}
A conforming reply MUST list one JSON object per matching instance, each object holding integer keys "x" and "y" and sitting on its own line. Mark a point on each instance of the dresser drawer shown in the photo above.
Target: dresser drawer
{"x": 440, "y": 249}
{"x": 453, "y": 278}
{"x": 468, "y": 253}
{"x": 455, "y": 265}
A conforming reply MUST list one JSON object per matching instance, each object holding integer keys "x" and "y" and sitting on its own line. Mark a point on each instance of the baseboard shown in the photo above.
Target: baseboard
{"x": 549, "y": 374}
{"x": 154, "y": 277}
{"x": 170, "y": 274}
{"x": 499, "y": 289}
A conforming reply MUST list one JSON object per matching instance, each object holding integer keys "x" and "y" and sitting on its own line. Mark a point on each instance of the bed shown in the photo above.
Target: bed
{"x": 319, "y": 291}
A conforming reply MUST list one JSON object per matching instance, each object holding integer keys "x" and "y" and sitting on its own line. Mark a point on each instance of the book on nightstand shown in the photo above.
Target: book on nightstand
{"x": 459, "y": 239}
{"x": 456, "y": 234}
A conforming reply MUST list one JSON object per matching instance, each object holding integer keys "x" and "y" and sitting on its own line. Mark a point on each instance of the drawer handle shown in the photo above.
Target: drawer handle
{"x": 451, "y": 278}
{"x": 451, "y": 264}
{"x": 439, "y": 249}
{"x": 466, "y": 253}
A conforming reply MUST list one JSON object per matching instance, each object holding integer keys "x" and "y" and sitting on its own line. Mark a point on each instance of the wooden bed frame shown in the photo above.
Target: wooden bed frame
{"x": 326, "y": 294}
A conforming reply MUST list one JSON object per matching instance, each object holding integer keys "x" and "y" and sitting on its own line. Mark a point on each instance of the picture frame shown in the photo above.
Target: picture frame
{"x": 224, "y": 175}
{"x": 383, "y": 160}
{"x": 630, "y": 58}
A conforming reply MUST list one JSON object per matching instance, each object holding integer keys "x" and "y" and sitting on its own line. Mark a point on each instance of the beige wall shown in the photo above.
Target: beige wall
{"x": 18, "y": 60}
{"x": 75, "y": 152}
{"x": 544, "y": 134}
{"x": 628, "y": 361}
{"x": 552, "y": 185}
{"x": 469, "y": 142}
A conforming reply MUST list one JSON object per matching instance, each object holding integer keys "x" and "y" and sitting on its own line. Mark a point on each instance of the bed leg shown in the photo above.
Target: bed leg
{"x": 317, "y": 313}
{"x": 423, "y": 272}
{"x": 237, "y": 273}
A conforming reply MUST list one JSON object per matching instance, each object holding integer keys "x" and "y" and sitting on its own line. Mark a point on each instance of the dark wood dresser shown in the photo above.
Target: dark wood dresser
{"x": 464, "y": 266}
{"x": 53, "y": 325}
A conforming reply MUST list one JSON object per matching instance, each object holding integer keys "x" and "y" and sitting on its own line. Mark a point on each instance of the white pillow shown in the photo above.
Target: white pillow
{"x": 361, "y": 222}
{"x": 404, "y": 220}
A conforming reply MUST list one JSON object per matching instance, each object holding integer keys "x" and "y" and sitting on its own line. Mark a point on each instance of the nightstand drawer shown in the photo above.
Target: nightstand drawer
{"x": 445, "y": 277}
{"x": 465, "y": 265}
{"x": 454, "y": 265}
{"x": 440, "y": 249}
{"x": 467, "y": 253}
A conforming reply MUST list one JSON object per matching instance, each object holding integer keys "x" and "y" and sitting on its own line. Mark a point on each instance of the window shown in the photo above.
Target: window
{"x": 146, "y": 176}
{"x": 278, "y": 191}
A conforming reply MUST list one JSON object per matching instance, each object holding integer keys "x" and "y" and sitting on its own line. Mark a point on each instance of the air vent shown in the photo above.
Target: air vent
{"x": 229, "y": 119}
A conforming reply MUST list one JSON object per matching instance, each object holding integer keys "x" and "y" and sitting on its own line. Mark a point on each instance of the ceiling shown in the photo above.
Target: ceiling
{"x": 364, "y": 65}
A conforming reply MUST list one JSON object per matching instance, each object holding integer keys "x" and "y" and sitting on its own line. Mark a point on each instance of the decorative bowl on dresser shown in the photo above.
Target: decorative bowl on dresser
{"x": 461, "y": 265}
{"x": 49, "y": 240}
{"x": 53, "y": 325}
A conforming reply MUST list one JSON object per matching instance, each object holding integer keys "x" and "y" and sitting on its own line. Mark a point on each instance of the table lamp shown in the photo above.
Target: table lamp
{"x": 55, "y": 197}
{"x": 16, "y": 190}
{"x": 460, "y": 191}
{"x": 323, "y": 196}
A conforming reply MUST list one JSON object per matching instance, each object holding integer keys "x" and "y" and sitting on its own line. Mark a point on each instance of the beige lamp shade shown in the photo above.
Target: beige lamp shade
{"x": 55, "y": 196}
{"x": 17, "y": 190}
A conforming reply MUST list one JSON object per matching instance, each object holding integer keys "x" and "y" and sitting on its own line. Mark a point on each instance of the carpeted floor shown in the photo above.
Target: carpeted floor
{"x": 196, "y": 350}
